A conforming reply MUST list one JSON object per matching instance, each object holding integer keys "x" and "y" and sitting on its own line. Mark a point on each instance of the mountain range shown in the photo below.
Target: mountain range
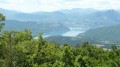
{"x": 46, "y": 29}
{"x": 71, "y": 18}
{"x": 103, "y": 25}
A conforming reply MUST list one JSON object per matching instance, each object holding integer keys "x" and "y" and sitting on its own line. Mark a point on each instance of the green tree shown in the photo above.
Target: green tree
{"x": 67, "y": 56}
{"x": 11, "y": 40}
{"x": 2, "y": 18}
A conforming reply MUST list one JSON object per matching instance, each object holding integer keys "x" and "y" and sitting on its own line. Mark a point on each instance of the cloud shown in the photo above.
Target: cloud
{"x": 52, "y": 5}
{"x": 3, "y": 1}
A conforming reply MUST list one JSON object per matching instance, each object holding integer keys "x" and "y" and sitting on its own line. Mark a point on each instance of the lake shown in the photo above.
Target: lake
{"x": 72, "y": 33}
{"x": 75, "y": 31}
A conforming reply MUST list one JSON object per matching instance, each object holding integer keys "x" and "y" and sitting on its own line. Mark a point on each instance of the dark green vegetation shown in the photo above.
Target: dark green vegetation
{"x": 73, "y": 41}
{"x": 20, "y": 49}
{"x": 2, "y": 18}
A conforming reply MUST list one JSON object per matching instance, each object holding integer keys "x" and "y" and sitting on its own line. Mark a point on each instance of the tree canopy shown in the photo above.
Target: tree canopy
{"x": 20, "y": 49}
{"x": 2, "y": 18}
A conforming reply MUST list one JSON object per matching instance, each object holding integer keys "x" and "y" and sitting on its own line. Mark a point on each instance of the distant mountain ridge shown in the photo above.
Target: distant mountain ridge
{"x": 104, "y": 25}
{"x": 72, "y": 18}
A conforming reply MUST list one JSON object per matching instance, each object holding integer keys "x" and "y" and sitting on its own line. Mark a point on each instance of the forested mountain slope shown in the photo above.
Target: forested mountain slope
{"x": 101, "y": 36}
{"x": 46, "y": 28}
{"x": 104, "y": 34}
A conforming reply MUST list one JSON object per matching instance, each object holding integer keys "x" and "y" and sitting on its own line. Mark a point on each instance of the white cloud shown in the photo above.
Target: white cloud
{"x": 52, "y": 5}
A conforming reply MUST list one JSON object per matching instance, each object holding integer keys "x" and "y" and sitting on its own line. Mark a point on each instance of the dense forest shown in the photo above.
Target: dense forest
{"x": 20, "y": 49}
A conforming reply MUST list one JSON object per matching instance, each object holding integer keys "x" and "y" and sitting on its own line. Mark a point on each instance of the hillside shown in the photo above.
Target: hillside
{"x": 103, "y": 34}
{"x": 57, "y": 23}
{"x": 61, "y": 40}
{"x": 46, "y": 28}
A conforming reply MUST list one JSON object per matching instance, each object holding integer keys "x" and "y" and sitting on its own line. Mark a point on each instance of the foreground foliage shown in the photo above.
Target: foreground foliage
{"x": 20, "y": 49}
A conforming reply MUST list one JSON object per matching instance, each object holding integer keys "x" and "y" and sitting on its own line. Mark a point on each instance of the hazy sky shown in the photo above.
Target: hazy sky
{"x": 52, "y": 5}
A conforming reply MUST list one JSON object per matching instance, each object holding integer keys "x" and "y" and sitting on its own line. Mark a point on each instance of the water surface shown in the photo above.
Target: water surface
{"x": 75, "y": 31}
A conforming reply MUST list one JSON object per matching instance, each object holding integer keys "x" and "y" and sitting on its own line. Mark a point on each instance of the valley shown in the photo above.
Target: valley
{"x": 59, "y": 33}
{"x": 72, "y": 26}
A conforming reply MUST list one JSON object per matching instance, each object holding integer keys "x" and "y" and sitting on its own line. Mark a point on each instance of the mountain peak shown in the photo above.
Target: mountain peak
{"x": 111, "y": 11}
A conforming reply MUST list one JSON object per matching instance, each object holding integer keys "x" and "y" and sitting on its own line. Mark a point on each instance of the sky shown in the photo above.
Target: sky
{"x": 53, "y": 5}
